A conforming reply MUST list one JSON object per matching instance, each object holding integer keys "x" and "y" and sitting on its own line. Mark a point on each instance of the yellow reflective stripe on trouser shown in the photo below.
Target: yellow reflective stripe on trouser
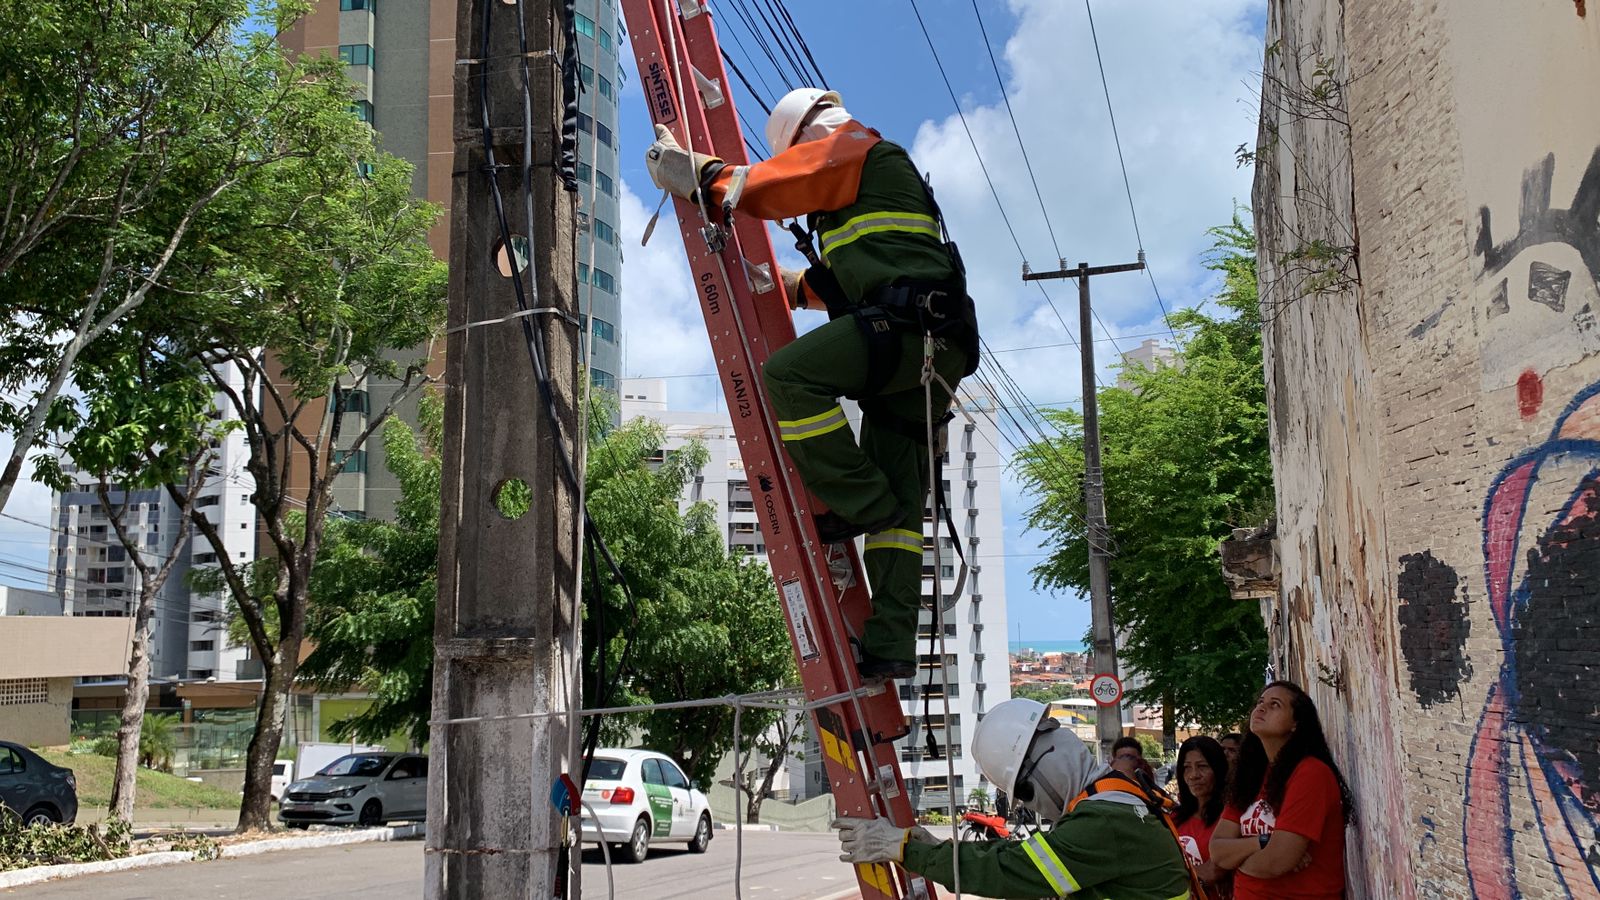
{"x": 1050, "y": 865}
{"x": 873, "y": 223}
{"x": 896, "y": 539}
{"x": 812, "y": 426}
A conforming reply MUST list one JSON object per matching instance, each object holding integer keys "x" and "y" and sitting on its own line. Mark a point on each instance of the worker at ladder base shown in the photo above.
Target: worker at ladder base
{"x": 895, "y": 293}
{"x": 1111, "y": 839}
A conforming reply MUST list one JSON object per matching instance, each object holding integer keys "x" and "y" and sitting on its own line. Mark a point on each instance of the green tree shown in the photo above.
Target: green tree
{"x": 315, "y": 284}
{"x": 1186, "y": 459}
{"x": 143, "y": 423}
{"x": 121, "y": 126}
{"x": 703, "y": 624}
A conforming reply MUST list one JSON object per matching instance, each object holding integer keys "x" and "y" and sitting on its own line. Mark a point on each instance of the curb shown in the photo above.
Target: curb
{"x": 40, "y": 874}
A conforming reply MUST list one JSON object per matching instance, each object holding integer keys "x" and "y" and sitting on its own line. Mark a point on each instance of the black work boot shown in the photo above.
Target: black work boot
{"x": 876, "y": 668}
{"x": 833, "y": 528}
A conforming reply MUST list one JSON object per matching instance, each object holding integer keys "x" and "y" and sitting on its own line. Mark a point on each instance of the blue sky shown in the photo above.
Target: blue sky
{"x": 1182, "y": 78}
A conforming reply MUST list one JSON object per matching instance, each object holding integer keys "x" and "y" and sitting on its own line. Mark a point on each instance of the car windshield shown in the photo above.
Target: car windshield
{"x": 358, "y": 765}
{"x": 606, "y": 769}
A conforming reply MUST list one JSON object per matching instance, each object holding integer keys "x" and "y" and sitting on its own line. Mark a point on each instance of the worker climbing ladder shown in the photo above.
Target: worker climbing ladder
{"x": 821, "y": 587}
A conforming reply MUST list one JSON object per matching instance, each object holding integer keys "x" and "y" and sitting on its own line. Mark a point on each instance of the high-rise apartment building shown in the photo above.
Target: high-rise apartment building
{"x": 402, "y": 56}
{"x": 92, "y": 575}
{"x": 973, "y": 658}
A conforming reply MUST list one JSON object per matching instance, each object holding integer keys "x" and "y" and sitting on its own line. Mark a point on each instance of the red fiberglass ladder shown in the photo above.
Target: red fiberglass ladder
{"x": 686, "y": 89}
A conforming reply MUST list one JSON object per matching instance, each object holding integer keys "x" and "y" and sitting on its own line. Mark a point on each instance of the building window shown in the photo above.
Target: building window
{"x": 202, "y": 559}
{"x": 209, "y": 500}
{"x": 353, "y": 401}
{"x": 605, "y": 39}
{"x": 21, "y": 691}
{"x": 362, "y": 109}
{"x": 603, "y": 133}
{"x": 606, "y": 185}
{"x": 356, "y": 54}
{"x": 603, "y": 380}
{"x": 600, "y": 278}
{"x": 356, "y": 4}
{"x": 605, "y": 89}
{"x": 353, "y": 460}
{"x": 585, "y": 24}
{"x": 364, "y": 169}
{"x": 605, "y": 232}
{"x": 202, "y": 646}
{"x": 585, "y": 123}
{"x": 585, "y": 173}
{"x": 586, "y": 73}
{"x": 605, "y": 331}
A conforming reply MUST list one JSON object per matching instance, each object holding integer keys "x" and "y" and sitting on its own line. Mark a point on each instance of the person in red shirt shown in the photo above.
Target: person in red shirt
{"x": 1202, "y": 773}
{"x": 1288, "y": 806}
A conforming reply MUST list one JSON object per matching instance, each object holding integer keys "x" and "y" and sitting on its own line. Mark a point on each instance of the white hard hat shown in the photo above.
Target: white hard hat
{"x": 790, "y": 113}
{"x": 1003, "y": 737}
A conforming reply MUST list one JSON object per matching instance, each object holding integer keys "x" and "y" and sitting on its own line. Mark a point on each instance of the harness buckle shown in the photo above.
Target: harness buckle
{"x": 925, "y": 302}
{"x": 715, "y": 237}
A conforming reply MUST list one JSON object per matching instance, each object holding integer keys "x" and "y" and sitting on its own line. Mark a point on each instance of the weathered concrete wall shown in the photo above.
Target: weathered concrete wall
{"x": 43, "y": 724}
{"x": 1434, "y": 436}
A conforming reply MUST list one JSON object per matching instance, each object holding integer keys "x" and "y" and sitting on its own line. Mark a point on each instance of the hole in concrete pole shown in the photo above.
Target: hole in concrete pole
{"x": 512, "y": 498}
{"x": 519, "y": 251}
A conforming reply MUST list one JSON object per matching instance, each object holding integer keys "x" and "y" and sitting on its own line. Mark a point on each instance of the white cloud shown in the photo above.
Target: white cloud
{"x": 1179, "y": 79}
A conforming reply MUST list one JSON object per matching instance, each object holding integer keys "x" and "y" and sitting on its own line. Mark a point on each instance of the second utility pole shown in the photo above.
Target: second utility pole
{"x": 1108, "y": 719}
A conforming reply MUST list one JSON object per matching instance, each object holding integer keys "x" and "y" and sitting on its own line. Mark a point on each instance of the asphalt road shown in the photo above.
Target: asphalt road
{"x": 776, "y": 867}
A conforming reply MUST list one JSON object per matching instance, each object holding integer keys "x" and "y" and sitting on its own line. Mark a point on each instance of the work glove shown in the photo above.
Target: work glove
{"x": 876, "y": 840}
{"x": 674, "y": 169}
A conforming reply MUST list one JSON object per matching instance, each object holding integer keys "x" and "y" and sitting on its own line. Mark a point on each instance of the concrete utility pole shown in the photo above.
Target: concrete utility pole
{"x": 505, "y": 642}
{"x": 1109, "y": 727}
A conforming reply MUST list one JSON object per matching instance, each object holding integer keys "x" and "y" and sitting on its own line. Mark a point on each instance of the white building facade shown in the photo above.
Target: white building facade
{"x": 973, "y": 657}
{"x": 92, "y": 576}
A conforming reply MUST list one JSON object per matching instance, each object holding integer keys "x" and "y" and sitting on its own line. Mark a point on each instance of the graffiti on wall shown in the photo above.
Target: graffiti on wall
{"x": 1538, "y": 739}
{"x": 1433, "y": 627}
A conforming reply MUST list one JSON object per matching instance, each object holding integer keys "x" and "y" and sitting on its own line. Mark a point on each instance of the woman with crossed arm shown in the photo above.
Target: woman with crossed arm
{"x": 1288, "y": 806}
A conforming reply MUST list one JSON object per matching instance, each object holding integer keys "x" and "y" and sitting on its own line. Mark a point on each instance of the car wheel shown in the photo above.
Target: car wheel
{"x": 40, "y": 815}
{"x": 638, "y": 846}
{"x": 702, "y": 835}
{"x": 371, "y": 814}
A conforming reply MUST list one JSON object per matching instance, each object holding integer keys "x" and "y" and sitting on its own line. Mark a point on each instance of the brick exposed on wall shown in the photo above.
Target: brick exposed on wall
{"x": 1434, "y": 436}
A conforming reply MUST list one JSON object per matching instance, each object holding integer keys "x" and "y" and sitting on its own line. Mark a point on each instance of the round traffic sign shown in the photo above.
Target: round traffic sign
{"x": 1106, "y": 689}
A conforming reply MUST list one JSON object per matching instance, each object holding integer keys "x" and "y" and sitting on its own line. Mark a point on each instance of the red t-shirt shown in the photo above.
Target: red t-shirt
{"x": 1194, "y": 835}
{"x": 1311, "y": 809}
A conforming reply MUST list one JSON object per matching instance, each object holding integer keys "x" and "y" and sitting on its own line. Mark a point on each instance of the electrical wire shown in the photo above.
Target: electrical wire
{"x": 1126, "y": 184}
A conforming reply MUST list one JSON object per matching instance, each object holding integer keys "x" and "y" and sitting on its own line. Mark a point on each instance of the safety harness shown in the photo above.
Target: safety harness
{"x": 1156, "y": 801}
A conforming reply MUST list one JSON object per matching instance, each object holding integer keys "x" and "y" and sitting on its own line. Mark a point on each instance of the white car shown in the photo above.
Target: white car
{"x": 281, "y": 771}
{"x": 639, "y": 797}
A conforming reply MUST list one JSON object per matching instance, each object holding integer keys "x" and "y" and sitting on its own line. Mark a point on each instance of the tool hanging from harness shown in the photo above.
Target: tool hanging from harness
{"x": 1157, "y": 802}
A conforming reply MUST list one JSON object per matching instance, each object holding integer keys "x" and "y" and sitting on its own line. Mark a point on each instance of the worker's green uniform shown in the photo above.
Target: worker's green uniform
{"x": 1102, "y": 849}
{"x": 887, "y": 236}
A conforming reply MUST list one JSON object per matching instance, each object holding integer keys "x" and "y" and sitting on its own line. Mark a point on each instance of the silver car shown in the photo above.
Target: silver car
{"x": 366, "y": 789}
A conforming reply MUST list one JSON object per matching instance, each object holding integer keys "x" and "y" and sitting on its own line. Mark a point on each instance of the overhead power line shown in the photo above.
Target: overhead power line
{"x": 1127, "y": 185}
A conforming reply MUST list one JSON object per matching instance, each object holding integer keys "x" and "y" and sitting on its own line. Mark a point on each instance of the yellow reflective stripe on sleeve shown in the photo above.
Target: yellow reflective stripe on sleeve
{"x": 873, "y": 223}
{"x": 812, "y": 426}
{"x": 1050, "y": 866}
{"x": 896, "y": 539}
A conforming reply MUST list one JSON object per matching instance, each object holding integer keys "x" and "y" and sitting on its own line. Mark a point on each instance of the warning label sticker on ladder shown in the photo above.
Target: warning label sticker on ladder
{"x": 795, "y": 598}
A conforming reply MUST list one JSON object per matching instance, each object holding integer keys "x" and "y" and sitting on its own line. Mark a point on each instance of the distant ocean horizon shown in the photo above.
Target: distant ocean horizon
{"x": 1048, "y": 646}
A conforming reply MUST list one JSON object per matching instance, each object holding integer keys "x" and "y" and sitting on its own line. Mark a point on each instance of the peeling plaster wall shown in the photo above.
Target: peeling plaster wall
{"x": 1436, "y": 427}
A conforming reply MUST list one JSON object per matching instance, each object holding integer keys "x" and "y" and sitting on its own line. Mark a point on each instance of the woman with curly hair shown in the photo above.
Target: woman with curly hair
{"x": 1288, "y": 806}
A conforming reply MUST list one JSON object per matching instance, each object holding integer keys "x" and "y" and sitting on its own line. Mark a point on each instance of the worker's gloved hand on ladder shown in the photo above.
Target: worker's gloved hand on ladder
{"x": 674, "y": 169}
{"x": 876, "y": 840}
